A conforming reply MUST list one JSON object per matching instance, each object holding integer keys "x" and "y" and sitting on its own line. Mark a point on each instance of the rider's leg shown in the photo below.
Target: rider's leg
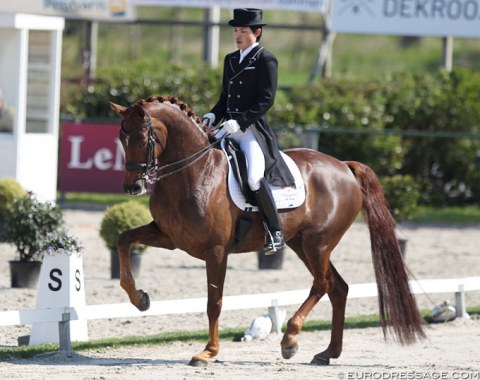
{"x": 268, "y": 208}
{"x": 258, "y": 184}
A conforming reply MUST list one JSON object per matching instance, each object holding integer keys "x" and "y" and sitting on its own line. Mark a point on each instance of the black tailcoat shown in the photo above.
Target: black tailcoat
{"x": 248, "y": 92}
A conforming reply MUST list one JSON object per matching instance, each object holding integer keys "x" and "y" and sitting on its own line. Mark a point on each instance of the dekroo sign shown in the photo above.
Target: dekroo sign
{"x": 457, "y": 18}
{"x": 432, "y": 9}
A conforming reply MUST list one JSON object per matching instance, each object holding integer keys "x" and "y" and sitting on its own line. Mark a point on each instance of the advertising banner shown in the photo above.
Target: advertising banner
{"x": 101, "y": 10}
{"x": 91, "y": 158}
{"x": 294, "y": 5}
{"x": 456, "y": 18}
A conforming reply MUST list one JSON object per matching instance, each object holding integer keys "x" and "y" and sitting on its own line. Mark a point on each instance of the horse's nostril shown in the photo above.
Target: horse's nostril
{"x": 136, "y": 188}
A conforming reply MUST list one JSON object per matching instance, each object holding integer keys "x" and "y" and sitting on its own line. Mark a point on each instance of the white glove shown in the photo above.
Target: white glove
{"x": 231, "y": 126}
{"x": 208, "y": 119}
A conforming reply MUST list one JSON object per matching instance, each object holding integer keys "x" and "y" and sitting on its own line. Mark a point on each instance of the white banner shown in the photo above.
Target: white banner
{"x": 293, "y": 5}
{"x": 105, "y": 10}
{"x": 457, "y": 18}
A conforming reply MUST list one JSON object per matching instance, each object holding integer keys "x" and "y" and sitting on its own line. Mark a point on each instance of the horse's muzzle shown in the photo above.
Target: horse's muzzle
{"x": 139, "y": 187}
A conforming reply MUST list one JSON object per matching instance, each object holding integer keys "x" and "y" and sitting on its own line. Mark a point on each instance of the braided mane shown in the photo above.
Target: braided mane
{"x": 183, "y": 107}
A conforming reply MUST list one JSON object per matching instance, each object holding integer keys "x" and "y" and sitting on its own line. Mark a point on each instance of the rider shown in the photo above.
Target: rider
{"x": 248, "y": 92}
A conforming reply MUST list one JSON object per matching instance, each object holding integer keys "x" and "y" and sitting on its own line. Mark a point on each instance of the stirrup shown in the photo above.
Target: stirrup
{"x": 274, "y": 243}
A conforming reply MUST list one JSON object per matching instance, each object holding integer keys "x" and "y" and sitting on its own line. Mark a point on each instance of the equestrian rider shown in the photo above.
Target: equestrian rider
{"x": 248, "y": 92}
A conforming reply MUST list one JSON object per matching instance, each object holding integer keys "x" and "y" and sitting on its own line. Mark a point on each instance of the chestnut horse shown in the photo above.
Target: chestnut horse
{"x": 166, "y": 146}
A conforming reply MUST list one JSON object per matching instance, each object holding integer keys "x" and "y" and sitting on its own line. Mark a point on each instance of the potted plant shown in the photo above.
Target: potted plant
{"x": 402, "y": 194}
{"x": 10, "y": 190}
{"x": 58, "y": 242}
{"x": 29, "y": 222}
{"x": 117, "y": 219}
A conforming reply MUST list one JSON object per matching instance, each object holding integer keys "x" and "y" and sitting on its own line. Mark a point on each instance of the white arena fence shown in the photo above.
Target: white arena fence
{"x": 272, "y": 301}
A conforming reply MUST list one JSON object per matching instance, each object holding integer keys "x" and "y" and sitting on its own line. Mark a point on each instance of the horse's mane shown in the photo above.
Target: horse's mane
{"x": 183, "y": 107}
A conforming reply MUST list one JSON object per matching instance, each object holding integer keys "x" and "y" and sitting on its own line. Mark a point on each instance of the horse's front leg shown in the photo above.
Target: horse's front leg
{"x": 148, "y": 235}
{"x": 216, "y": 262}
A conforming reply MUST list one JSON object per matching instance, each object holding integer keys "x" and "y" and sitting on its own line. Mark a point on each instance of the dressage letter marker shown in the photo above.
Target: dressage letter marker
{"x": 61, "y": 284}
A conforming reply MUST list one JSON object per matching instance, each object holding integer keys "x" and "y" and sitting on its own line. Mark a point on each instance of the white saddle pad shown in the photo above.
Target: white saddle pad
{"x": 285, "y": 197}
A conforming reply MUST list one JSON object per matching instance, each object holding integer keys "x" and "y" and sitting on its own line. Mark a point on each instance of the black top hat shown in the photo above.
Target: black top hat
{"x": 247, "y": 17}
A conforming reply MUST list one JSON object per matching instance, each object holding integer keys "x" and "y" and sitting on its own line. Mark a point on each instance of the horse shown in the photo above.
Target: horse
{"x": 169, "y": 153}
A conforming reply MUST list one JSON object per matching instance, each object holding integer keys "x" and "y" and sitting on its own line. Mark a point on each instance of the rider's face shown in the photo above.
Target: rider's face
{"x": 244, "y": 37}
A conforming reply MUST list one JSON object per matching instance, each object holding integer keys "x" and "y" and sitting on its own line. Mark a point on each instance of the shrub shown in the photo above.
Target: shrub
{"x": 402, "y": 194}
{"x": 122, "y": 217}
{"x": 435, "y": 105}
{"x": 29, "y": 223}
{"x": 10, "y": 190}
{"x": 126, "y": 84}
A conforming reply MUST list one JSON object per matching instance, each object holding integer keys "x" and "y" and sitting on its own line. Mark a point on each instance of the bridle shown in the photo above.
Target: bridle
{"x": 150, "y": 169}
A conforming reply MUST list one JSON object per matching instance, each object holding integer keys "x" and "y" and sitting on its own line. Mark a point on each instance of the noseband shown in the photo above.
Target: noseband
{"x": 150, "y": 169}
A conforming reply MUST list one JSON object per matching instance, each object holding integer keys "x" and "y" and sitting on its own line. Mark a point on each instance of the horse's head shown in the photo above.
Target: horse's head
{"x": 143, "y": 138}
{"x": 146, "y": 125}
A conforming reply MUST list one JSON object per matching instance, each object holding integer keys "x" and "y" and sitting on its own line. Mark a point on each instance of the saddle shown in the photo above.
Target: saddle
{"x": 243, "y": 196}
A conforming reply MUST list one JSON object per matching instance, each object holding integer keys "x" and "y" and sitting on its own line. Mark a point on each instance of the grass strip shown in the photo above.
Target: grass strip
{"x": 358, "y": 322}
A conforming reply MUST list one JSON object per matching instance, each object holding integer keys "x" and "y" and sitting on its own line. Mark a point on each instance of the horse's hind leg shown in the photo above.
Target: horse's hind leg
{"x": 148, "y": 235}
{"x": 320, "y": 273}
{"x": 338, "y": 297}
{"x": 289, "y": 342}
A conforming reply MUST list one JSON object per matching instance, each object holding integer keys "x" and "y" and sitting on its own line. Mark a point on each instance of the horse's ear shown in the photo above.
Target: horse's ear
{"x": 120, "y": 110}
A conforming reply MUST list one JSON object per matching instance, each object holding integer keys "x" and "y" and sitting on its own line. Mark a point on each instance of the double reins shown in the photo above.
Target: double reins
{"x": 150, "y": 169}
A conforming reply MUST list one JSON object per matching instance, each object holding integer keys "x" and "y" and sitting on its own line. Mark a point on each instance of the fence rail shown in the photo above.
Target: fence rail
{"x": 272, "y": 301}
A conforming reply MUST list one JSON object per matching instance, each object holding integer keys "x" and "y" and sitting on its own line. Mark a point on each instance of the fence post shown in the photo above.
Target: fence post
{"x": 275, "y": 317}
{"x": 460, "y": 303}
{"x": 64, "y": 334}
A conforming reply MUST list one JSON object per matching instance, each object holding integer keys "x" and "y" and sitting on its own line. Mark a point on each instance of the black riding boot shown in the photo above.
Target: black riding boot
{"x": 271, "y": 219}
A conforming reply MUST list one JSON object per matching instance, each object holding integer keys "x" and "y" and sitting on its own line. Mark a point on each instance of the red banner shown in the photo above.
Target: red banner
{"x": 91, "y": 158}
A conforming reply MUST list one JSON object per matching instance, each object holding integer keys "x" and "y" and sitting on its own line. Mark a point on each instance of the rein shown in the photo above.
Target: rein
{"x": 150, "y": 169}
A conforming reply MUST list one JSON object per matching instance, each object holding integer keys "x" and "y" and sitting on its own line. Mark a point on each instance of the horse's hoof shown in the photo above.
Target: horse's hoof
{"x": 144, "y": 302}
{"x": 198, "y": 363}
{"x": 289, "y": 352}
{"x": 319, "y": 360}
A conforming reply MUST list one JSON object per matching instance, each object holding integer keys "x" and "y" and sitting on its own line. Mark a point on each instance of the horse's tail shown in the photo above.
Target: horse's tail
{"x": 398, "y": 308}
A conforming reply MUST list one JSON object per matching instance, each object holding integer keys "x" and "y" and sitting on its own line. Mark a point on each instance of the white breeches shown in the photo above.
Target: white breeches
{"x": 253, "y": 154}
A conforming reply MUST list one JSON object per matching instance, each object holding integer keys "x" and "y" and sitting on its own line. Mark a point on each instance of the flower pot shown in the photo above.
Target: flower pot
{"x": 135, "y": 258}
{"x": 24, "y": 274}
{"x": 274, "y": 261}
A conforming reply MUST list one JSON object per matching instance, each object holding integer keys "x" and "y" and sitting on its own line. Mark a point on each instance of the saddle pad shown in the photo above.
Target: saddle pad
{"x": 285, "y": 197}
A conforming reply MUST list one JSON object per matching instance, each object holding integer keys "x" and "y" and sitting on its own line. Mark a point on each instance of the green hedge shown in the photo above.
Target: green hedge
{"x": 383, "y": 118}
{"x": 402, "y": 194}
{"x": 197, "y": 86}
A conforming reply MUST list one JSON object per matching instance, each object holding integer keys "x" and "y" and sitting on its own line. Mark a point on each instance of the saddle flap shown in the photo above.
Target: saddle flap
{"x": 238, "y": 166}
